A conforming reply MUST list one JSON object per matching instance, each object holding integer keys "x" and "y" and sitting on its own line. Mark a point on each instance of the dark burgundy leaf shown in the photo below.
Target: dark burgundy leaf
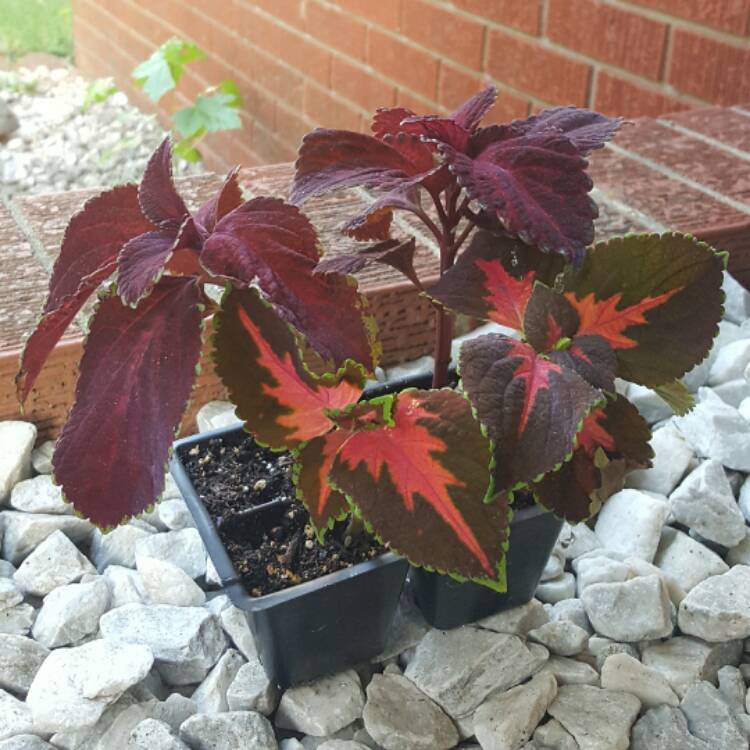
{"x": 160, "y": 201}
{"x": 137, "y": 371}
{"x": 141, "y": 262}
{"x": 471, "y": 112}
{"x": 273, "y": 244}
{"x": 375, "y": 222}
{"x": 440, "y": 129}
{"x": 548, "y": 319}
{"x": 387, "y": 121}
{"x": 592, "y": 358}
{"x": 228, "y": 197}
{"x": 394, "y": 253}
{"x": 90, "y": 246}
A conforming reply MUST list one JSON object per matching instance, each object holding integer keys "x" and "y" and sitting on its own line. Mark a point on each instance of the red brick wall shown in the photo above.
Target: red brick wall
{"x": 302, "y": 63}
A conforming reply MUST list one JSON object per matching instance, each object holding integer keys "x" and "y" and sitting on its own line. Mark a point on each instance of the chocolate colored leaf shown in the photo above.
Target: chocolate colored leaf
{"x": 272, "y": 244}
{"x": 493, "y": 279}
{"x": 471, "y": 112}
{"x": 136, "y": 375}
{"x": 259, "y": 362}
{"x": 159, "y": 199}
{"x": 532, "y": 407}
{"x": 535, "y": 183}
{"x": 420, "y": 481}
{"x": 92, "y": 241}
{"x": 657, "y": 301}
{"x": 313, "y": 464}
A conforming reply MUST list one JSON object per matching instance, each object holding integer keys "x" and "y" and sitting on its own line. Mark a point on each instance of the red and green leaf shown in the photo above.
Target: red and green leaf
{"x": 272, "y": 244}
{"x": 592, "y": 358}
{"x": 420, "y": 478}
{"x": 313, "y": 463}
{"x": 656, "y": 300}
{"x": 493, "y": 279}
{"x": 159, "y": 199}
{"x": 612, "y": 440}
{"x": 136, "y": 375}
{"x": 535, "y": 183}
{"x": 93, "y": 239}
{"x": 258, "y": 359}
{"x": 532, "y": 407}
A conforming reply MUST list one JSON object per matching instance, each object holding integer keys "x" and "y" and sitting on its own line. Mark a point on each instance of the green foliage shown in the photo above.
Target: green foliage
{"x": 163, "y": 70}
{"x": 35, "y": 26}
{"x": 98, "y": 91}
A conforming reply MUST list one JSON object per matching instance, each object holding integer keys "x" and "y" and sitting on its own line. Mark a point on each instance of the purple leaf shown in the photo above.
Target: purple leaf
{"x": 140, "y": 263}
{"x": 137, "y": 371}
{"x": 374, "y": 223}
{"x": 387, "y": 121}
{"x": 471, "y": 112}
{"x": 159, "y": 199}
{"x": 228, "y": 197}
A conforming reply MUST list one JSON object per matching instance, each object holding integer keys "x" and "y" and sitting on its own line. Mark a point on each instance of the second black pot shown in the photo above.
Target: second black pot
{"x": 447, "y": 603}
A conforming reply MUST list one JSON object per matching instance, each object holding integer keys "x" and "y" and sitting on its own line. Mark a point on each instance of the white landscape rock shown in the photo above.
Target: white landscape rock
{"x": 182, "y": 548}
{"x": 234, "y": 622}
{"x": 55, "y": 562}
{"x": 730, "y": 362}
{"x": 672, "y": 456}
{"x": 20, "y": 659}
{"x": 718, "y": 431}
{"x": 635, "y": 610}
{"x": 74, "y": 686}
{"x": 507, "y": 720}
{"x": 39, "y": 495}
{"x": 165, "y": 583}
{"x": 15, "y": 717}
{"x": 251, "y": 690}
{"x": 24, "y": 532}
{"x": 17, "y": 620}
{"x": 210, "y": 697}
{"x": 557, "y": 590}
{"x": 704, "y": 502}
{"x": 562, "y": 637}
{"x": 598, "y": 719}
{"x": 631, "y": 522}
{"x": 665, "y": 728}
{"x": 117, "y": 547}
{"x": 740, "y": 555}
{"x": 459, "y": 668}
{"x": 626, "y": 674}
{"x": 41, "y": 457}
{"x": 689, "y": 562}
{"x": 125, "y": 586}
{"x": 69, "y": 613}
{"x": 216, "y": 414}
{"x": 186, "y": 641}
{"x": 175, "y": 514}
{"x": 576, "y": 540}
{"x": 152, "y": 734}
{"x": 518, "y": 620}
{"x": 16, "y": 443}
{"x": 711, "y": 719}
{"x": 229, "y": 731}
{"x": 568, "y": 671}
{"x": 600, "y": 569}
{"x": 736, "y": 300}
{"x": 10, "y": 594}
{"x": 25, "y": 742}
{"x": 398, "y": 716}
{"x": 571, "y": 610}
{"x": 718, "y": 609}
{"x": 323, "y": 706}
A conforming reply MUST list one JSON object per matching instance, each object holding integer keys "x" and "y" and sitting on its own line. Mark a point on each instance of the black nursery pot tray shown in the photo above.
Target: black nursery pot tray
{"x": 446, "y": 603}
{"x": 313, "y": 628}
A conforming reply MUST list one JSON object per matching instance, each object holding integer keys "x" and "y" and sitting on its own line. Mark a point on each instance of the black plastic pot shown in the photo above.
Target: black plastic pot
{"x": 446, "y": 603}
{"x": 313, "y": 628}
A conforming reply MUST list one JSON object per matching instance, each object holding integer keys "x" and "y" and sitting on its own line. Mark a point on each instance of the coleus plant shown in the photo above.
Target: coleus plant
{"x": 433, "y": 473}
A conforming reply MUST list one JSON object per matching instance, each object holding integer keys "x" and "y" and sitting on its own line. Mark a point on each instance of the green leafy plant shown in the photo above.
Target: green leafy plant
{"x": 216, "y": 109}
{"x": 433, "y": 473}
{"x": 97, "y": 92}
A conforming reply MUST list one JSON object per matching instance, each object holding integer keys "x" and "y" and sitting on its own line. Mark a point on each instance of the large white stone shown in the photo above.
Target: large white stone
{"x": 665, "y": 728}
{"x": 175, "y": 514}
{"x": 705, "y": 503}
{"x": 684, "y": 660}
{"x": 210, "y": 697}
{"x": 398, "y": 716}
{"x": 151, "y": 734}
{"x": 251, "y": 690}
{"x": 598, "y": 719}
{"x": 125, "y": 586}
{"x": 25, "y": 742}
{"x": 323, "y": 706}
{"x": 716, "y": 430}
{"x": 507, "y": 720}
{"x": 740, "y": 554}
{"x": 718, "y": 609}
{"x": 736, "y": 300}
{"x": 55, "y": 562}
{"x": 460, "y": 668}
{"x": 41, "y": 457}
{"x": 733, "y": 392}
{"x": 672, "y": 456}
{"x": 16, "y": 443}
{"x": 557, "y": 590}
{"x": 234, "y": 730}
{"x": 20, "y": 659}
{"x": 744, "y": 499}
{"x": 234, "y": 622}
{"x": 600, "y": 569}
{"x": 570, "y": 671}
{"x": 562, "y": 637}
{"x": 576, "y": 540}
{"x": 186, "y": 641}
{"x": 651, "y": 406}
{"x": 10, "y": 593}
{"x": 39, "y": 495}
{"x": 24, "y": 532}
{"x": 117, "y": 547}
{"x": 216, "y": 414}
{"x": 687, "y": 561}
{"x": 74, "y": 685}
{"x": 631, "y": 522}
{"x": 730, "y": 363}
{"x": 711, "y": 719}
{"x": 69, "y": 613}
{"x": 570, "y": 610}
{"x": 636, "y": 610}
{"x": 182, "y": 548}
{"x": 552, "y": 735}
{"x": 17, "y": 620}
{"x": 15, "y": 716}
{"x": 624, "y": 673}
{"x": 165, "y": 583}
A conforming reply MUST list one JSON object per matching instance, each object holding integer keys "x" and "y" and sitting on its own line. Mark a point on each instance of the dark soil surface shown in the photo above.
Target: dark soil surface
{"x": 271, "y": 549}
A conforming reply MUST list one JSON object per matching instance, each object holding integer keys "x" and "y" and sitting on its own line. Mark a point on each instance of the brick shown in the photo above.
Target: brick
{"x": 415, "y": 69}
{"x": 449, "y": 34}
{"x": 291, "y": 12}
{"x": 324, "y": 109}
{"x": 725, "y": 125}
{"x": 417, "y": 104}
{"x": 291, "y": 126}
{"x": 616, "y": 96}
{"x": 385, "y": 13}
{"x": 524, "y": 15}
{"x": 507, "y": 107}
{"x": 606, "y": 33}
{"x": 710, "y": 69}
{"x": 455, "y": 86}
{"x": 336, "y": 29}
{"x": 728, "y": 15}
{"x": 360, "y": 85}
{"x": 543, "y": 73}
